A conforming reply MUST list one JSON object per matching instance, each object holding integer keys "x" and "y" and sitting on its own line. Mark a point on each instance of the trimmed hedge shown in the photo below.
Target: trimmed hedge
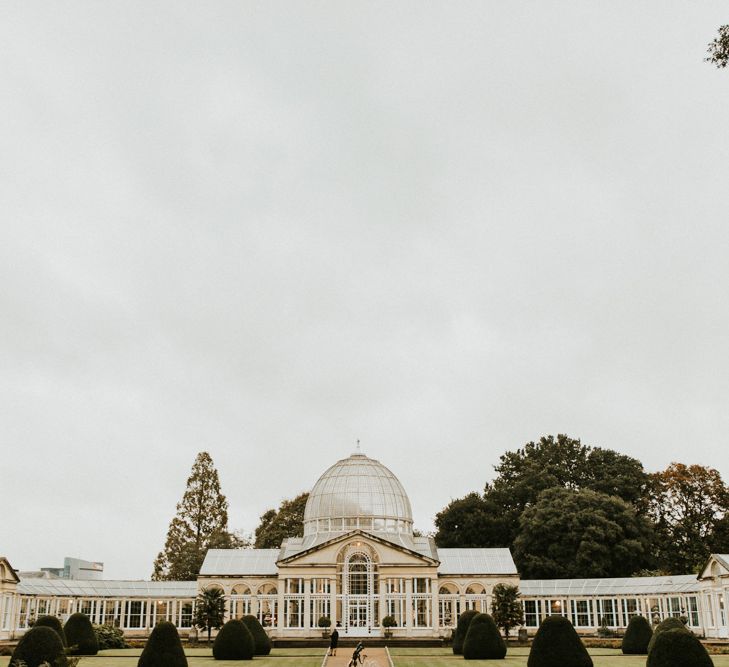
{"x": 234, "y": 642}
{"x": 483, "y": 640}
{"x": 671, "y": 623}
{"x": 557, "y": 644}
{"x": 637, "y": 636}
{"x": 80, "y": 635}
{"x": 261, "y": 641}
{"x": 678, "y": 648}
{"x": 163, "y": 648}
{"x": 54, "y": 623}
{"x": 40, "y": 644}
{"x": 109, "y": 636}
{"x": 464, "y": 620}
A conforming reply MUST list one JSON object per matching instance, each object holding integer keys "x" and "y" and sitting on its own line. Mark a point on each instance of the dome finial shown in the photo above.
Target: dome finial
{"x": 358, "y": 450}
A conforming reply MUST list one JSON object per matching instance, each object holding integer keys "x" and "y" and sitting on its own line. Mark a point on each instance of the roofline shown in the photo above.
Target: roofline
{"x": 717, "y": 557}
{"x": 349, "y": 535}
{"x": 13, "y": 573}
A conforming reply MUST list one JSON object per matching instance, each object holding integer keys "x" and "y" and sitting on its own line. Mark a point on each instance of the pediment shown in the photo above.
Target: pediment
{"x": 7, "y": 573}
{"x": 389, "y": 552}
{"x": 717, "y": 566}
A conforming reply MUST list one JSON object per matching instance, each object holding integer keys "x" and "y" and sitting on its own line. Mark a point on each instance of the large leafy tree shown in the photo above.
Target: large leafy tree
{"x": 471, "y": 521}
{"x": 277, "y": 525}
{"x": 521, "y": 475}
{"x": 688, "y": 504}
{"x": 719, "y": 48}
{"x": 571, "y": 533}
{"x": 201, "y": 523}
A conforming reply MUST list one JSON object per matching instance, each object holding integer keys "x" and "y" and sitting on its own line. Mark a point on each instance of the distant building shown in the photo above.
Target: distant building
{"x": 77, "y": 569}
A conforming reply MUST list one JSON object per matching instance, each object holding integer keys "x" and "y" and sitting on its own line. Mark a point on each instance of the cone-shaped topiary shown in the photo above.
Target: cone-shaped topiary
{"x": 163, "y": 648}
{"x": 671, "y": 623}
{"x": 54, "y": 623}
{"x": 234, "y": 642}
{"x": 40, "y": 644}
{"x": 556, "y": 644}
{"x": 637, "y": 636}
{"x": 483, "y": 640}
{"x": 677, "y": 648}
{"x": 464, "y": 620}
{"x": 80, "y": 635}
{"x": 261, "y": 641}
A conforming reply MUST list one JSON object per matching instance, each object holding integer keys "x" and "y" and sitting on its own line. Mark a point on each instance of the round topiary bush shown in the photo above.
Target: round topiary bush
{"x": 459, "y": 636}
{"x": 80, "y": 635}
{"x": 557, "y": 644}
{"x": 261, "y": 641}
{"x": 671, "y": 623}
{"x": 483, "y": 640}
{"x": 637, "y": 636}
{"x": 40, "y": 644}
{"x": 163, "y": 648}
{"x": 234, "y": 642}
{"x": 677, "y": 648}
{"x": 54, "y": 623}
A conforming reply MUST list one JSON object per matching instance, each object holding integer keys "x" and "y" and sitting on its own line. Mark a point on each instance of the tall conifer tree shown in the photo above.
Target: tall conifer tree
{"x": 201, "y": 523}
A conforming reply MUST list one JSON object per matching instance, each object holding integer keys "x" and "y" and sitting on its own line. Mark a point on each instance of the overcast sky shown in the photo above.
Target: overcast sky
{"x": 266, "y": 230}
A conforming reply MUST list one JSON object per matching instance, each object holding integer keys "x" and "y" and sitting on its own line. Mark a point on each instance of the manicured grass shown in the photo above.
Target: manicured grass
{"x": 203, "y": 657}
{"x": 516, "y": 657}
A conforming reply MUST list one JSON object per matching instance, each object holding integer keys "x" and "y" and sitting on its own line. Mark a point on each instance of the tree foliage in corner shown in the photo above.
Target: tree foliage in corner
{"x": 507, "y": 610}
{"x": 719, "y": 49}
{"x": 277, "y": 525}
{"x": 201, "y": 523}
{"x": 689, "y": 505}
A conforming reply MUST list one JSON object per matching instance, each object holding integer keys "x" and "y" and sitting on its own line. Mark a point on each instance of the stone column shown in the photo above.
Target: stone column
{"x": 409, "y": 604}
{"x": 434, "y": 604}
{"x": 308, "y": 621}
{"x": 333, "y": 601}
{"x": 280, "y": 604}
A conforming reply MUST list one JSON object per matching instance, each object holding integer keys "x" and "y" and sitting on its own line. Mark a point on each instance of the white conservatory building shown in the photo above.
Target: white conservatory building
{"x": 357, "y": 562}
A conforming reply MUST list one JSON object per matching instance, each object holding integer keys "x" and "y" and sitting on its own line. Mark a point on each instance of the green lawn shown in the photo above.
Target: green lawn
{"x": 202, "y": 657}
{"x": 516, "y": 657}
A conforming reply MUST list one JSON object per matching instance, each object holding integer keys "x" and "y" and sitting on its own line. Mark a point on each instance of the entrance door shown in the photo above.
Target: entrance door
{"x": 358, "y": 617}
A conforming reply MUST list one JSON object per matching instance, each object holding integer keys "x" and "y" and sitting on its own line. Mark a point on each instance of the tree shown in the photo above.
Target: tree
{"x": 687, "y": 504}
{"x": 163, "y": 648}
{"x": 719, "y": 48}
{"x": 41, "y": 645}
{"x": 637, "y": 636}
{"x": 201, "y": 523}
{"x": 560, "y": 462}
{"x": 276, "y": 525}
{"x": 462, "y": 623}
{"x": 471, "y": 521}
{"x": 483, "y": 641}
{"x": 507, "y": 609}
{"x": 54, "y": 623}
{"x": 80, "y": 635}
{"x": 571, "y": 534}
{"x": 234, "y": 642}
{"x": 261, "y": 641}
{"x": 678, "y": 648}
{"x": 210, "y": 610}
{"x": 557, "y": 644}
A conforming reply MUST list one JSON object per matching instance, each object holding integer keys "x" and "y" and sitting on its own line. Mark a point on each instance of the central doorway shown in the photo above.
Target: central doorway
{"x": 358, "y": 592}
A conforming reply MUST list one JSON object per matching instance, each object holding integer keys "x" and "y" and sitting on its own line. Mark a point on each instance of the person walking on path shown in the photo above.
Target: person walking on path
{"x": 333, "y": 641}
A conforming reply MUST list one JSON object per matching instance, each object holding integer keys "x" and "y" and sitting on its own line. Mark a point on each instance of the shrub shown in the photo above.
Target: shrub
{"x": 324, "y": 622}
{"x": 80, "y": 636}
{"x": 671, "y": 623}
{"x": 483, "y": 640}
{"x": 389, "y": 622}
{"x": 109, "y": 636}
{"x": 234, "y": 642}
{"x": 677, "y": 648}
{"x": 637, "y": 636}
{"x": 556, "y": 644}
{"x": 261, "y": 641}
{"x": 464, "y": 620}
{"x": 164, "y": 648}
{"x": 54, "y": 623}
{"x": 40, "y": 644}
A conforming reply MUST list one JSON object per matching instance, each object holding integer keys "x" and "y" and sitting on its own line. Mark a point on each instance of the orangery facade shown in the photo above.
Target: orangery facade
{"x": 357, "y": 563}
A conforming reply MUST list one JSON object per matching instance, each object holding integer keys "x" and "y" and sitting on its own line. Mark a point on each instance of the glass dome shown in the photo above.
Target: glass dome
{"x": 358, "y": 492}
